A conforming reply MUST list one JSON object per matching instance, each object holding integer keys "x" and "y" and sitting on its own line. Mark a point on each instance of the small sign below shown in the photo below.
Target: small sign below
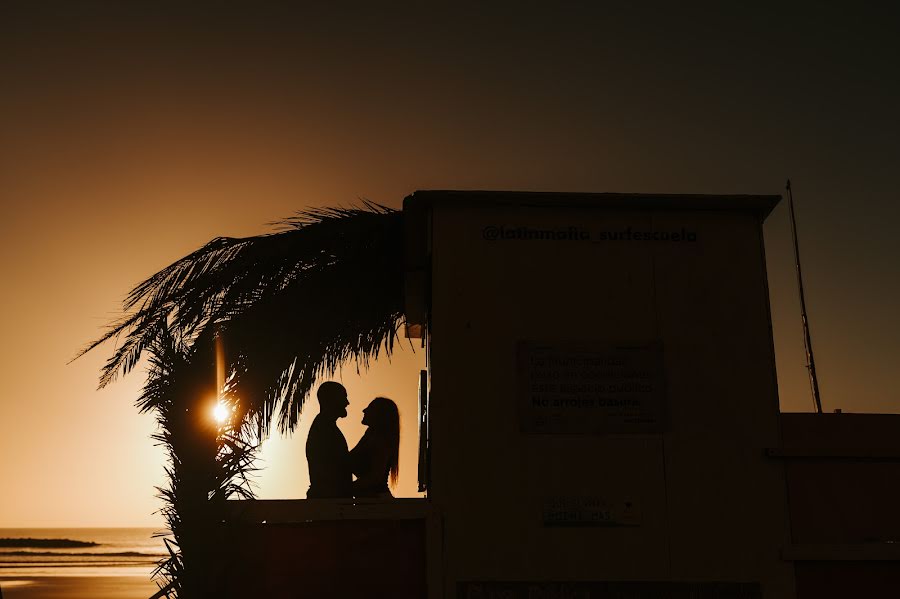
{"x": 590, "y": 511}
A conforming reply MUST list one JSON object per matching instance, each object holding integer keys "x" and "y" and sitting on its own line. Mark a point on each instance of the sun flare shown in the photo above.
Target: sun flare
{"x": 221, "y": 412}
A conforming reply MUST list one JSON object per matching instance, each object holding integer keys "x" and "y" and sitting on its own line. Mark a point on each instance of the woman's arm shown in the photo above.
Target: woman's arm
{"x": 359, "y": 455}
{"x": 370, "y": 465}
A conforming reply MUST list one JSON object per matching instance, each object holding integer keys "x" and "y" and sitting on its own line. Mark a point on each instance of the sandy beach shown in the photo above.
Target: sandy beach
{"x": 77, "y": 587}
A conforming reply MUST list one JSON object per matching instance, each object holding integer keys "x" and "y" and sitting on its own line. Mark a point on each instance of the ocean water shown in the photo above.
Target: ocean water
{"x": 120, "y": 558}
{"x": 118, "y": 552}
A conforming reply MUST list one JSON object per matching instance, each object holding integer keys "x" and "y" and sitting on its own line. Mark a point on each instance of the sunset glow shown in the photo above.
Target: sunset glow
{"x": 135, "y": 133}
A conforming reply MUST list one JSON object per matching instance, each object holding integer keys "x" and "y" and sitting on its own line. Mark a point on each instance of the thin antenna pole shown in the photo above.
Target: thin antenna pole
{"x": 807, "y": 341}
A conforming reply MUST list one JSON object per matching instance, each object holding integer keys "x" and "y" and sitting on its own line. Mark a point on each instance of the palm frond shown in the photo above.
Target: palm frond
{"x": 227, "y": 275}
{"x": 345, "y": 311}
{"x": 293, "y": 305}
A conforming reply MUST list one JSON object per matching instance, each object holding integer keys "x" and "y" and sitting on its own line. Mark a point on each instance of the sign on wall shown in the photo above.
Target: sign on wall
{"x": 588, "y": 511}
{"x": 580, "y": 388}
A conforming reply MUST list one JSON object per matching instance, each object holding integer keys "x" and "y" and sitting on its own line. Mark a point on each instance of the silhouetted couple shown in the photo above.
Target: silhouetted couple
{"x": 373, "y": 460}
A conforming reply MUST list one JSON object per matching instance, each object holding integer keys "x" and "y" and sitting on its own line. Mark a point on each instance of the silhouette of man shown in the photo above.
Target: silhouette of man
{"x": 326, "y": 447}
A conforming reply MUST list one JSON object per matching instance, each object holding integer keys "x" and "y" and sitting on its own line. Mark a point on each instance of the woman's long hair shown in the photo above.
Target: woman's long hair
{"x": 385, "y": 420}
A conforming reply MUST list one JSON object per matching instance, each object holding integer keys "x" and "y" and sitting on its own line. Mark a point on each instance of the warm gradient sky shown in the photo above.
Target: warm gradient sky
{"x": 131, "y": 136}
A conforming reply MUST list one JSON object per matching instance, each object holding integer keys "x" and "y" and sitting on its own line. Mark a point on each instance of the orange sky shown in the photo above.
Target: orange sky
{"x": 131, "y": 136}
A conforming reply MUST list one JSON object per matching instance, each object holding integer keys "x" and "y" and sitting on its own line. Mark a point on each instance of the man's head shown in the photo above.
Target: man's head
{"x": 332, "y": 399}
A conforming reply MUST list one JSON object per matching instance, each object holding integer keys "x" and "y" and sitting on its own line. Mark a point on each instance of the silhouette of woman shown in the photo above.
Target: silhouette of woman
{"x": 374, "y": 459}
